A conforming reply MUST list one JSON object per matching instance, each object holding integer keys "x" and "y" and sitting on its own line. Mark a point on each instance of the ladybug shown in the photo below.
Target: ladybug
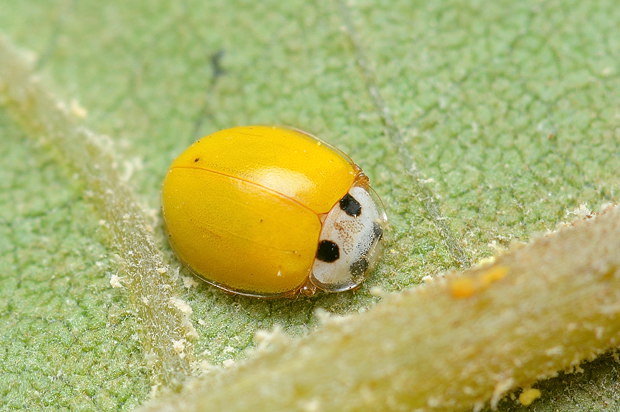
{"x": 271, "y": 211}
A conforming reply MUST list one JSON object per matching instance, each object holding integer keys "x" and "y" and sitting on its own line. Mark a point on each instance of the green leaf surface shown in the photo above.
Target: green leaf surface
{"x": 479, "y": 123}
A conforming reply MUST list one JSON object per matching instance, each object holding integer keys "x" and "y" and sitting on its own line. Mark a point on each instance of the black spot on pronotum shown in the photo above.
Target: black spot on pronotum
{"x": 377, "y": 230}
{"x": 196, "y": 160}
{"x": 350, "y": 206}
{"x": 359, "y": 267}
{"x": 328, "y": 251}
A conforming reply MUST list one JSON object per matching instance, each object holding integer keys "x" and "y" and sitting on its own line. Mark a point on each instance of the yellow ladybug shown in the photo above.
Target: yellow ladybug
{"x": 271, "y": 212}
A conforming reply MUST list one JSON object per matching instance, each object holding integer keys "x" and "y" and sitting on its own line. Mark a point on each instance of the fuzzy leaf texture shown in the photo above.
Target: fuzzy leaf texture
{"x": 481, "y": 125}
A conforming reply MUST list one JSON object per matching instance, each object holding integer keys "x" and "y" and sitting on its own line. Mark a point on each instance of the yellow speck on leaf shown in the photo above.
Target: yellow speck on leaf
{"x": 467, "y": 287}
{"x": 528, "y": 396}
{"x": 77, "y": 110}
{"x": 463, "y": 288}
{"x": 494, "y": 274}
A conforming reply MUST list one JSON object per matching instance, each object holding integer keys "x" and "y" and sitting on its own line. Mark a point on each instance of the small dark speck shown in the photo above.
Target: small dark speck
{"x": 196, "y": 160}
{"x": 350, "y": 205}
{"x": 328, "y": 251}
{"x": 377, "y": 230}
{"x": 359, "y": 267}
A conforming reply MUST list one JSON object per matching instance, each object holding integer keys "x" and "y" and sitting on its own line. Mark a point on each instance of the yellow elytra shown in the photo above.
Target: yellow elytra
{"x": 271, "y": 211}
